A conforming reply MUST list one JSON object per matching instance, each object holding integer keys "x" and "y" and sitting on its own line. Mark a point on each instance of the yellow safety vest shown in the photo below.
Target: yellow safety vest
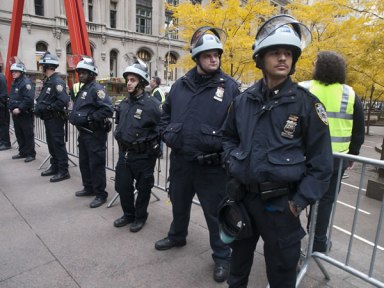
{"x": 76, "y": 88}
{"x": 338, "y": 100}
{"x": 161, "y": 93}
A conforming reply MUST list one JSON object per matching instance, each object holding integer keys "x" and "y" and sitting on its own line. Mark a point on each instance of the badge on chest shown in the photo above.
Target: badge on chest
{"x": 290, "y": 126}
{"x": 138, "y": 113}
{"x": 219, "y": 94}
{"x": 83, "y": 95}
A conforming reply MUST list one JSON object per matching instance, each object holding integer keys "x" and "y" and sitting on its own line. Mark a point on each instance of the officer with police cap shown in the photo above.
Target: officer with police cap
{"x": 51, "y": 107}
{"x": 191, "y": 125}
{"x": 278, "y": 153}
{"x": 21, "y": 105}
{"x": 138, "y": 139}
{"x": 90, "y": 113}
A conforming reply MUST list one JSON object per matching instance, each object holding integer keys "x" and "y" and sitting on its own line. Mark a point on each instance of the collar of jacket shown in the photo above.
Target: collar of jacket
{"x": 139, "y": 99}
{"x": 258, "y": 90}
{"x": 215, "y": 81}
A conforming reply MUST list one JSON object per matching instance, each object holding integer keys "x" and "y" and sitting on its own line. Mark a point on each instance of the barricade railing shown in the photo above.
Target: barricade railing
{"x": 349, "y": 266}
{"x": 343, "y": 258}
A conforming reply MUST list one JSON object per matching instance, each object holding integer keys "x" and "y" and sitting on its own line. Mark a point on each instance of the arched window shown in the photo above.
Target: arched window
{"x": 41, "y": 46}
{"x": 170, "y": 73}
{"x": 113, "y": 63}
{"x": 146, "y": 57}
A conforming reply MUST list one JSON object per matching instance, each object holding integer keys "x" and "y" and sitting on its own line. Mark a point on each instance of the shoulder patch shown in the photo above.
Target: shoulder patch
{"x": 101, "y": 94}
{"x": 59, "y": 88}
{"x": 320, "y": 110}
{"x": 28, "y": 86}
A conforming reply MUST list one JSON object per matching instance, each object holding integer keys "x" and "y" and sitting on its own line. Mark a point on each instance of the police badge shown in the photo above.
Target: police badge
{"x": 101, "y": 94}
{"x": 219, "y": 94}
{"x": 290, "y": 126}
{"x": 83, "y": 95}
{"x": 28, "y": 86}
{"x": 138, "y": 113}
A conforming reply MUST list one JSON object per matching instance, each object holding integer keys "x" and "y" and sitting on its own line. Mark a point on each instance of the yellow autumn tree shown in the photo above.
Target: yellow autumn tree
{"x": 240, "y": 22}
{"x": 352, "y": 28}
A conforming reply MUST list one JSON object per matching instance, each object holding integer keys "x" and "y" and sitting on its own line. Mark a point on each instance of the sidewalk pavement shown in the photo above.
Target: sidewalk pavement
{"x": 50, "y": 238}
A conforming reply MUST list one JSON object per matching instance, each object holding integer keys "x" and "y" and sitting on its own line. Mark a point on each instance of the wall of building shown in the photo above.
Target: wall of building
{"x": 52, "y": 30}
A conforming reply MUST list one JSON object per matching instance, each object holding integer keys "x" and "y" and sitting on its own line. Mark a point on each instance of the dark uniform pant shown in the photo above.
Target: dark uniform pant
{"x": 188, "y": 178}
{"x": 92, "y": 153}
{"x": 281, "y": 232}
{"x": 325, "y": 206}
{"x": 139, "y": 168}
{"x": 4, "y": 125}
{"x": 54, "y": 129}
{"x": 23, "y": 125}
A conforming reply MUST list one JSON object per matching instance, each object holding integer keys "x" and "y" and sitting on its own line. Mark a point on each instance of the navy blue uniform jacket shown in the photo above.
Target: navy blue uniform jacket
{"x": 138, "y": 119}
{"x": 91, "y": 103}
{"x": 53, "y": 95}
{"x": 22, "y": 94}
{"x": 193, "y": 114}
{"x": 284, "y": 138}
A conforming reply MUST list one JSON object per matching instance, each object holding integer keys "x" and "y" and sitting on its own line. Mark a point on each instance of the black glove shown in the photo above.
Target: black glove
{"x": 235, "y": 190}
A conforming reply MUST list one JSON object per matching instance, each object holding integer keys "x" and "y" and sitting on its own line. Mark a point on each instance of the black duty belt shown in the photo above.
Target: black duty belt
{"x": 139, "y": 147}
{"x": 268, "y": 190}
{"x": 211, "y": 159}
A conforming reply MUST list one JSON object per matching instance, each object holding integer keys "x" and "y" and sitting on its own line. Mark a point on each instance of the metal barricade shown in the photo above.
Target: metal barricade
{"x": 344, "y": 260}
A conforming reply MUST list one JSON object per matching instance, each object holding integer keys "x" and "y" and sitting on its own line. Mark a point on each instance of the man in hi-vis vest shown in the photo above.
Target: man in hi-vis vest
{"x": 346, "y": 124}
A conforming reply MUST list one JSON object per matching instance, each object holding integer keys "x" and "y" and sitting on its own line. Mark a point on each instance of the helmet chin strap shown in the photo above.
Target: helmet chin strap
{"x": 136, "y": 91}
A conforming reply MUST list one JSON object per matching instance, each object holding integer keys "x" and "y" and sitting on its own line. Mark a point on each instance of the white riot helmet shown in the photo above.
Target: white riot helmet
{"x": 281, "y": 30}
{"x": 207, "y": 38}
{"x": 87, "y": 64}
{"x": 18, "y": 67}
{"x": 138, "y": 68}
{"x": 49, "y": 60}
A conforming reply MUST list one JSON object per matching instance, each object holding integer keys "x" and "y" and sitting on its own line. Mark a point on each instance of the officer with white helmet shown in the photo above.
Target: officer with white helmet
{"x": 138, "y": 138}
{"x": 191, "y": 125}
{"x": 90, "y": 113}
{"x": 278, "y": 154}
{"x": 21, "y": 106}
{"x": 51, "y": 107}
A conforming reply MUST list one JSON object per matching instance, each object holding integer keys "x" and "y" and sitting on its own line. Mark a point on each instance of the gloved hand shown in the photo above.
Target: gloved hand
{"x": 235, "y": 190}
{"x": 49, "y": 108}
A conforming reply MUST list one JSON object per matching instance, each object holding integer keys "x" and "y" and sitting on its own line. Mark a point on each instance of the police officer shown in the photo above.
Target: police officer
{"x": 50, "y": 107}
{"x": 90, "y": 114}
{"x": 277, "y": 147}
{"x": 346, "y": 124}
{"x": 137, "y": 136}
{"x": 21, "y": 106}
{"x": 191, "y": 125}
{"x": 5, "y": 142}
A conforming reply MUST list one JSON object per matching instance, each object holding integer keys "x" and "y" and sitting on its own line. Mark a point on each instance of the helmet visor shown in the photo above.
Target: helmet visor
{"x": 219, "y": 33}
{"x": 274, "y": 23}
{"x": 15, "y": 60}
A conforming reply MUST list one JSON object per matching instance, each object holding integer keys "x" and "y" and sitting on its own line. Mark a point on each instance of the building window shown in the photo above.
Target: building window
{"x": 170, "y": 73}
{"x": 39, "y": 7}
{"x": 113, "y": 13}
{"x": 176, "y": 2}
{"x": 41, "y": 47}
{"x": 146, "y": 57}
{"x": 143, "y": 20}
{"x": 113, "y": 63}
{"x": 171, "y": 26}
{"x": 90, "y": 10}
